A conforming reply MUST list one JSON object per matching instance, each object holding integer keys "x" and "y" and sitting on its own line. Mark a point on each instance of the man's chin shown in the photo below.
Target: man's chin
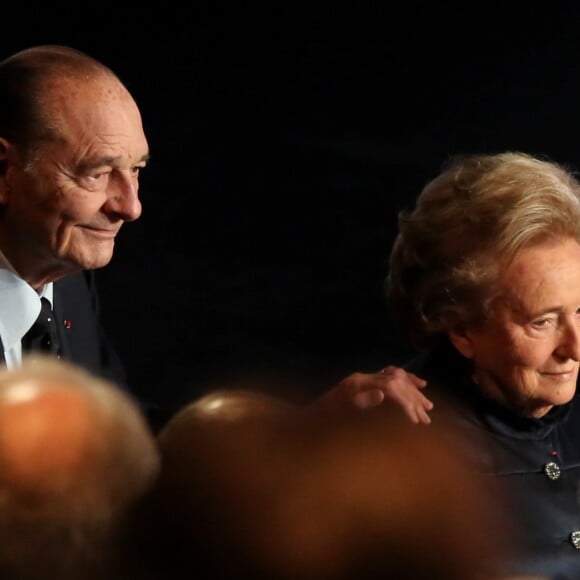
{"x": 93, "y": 260}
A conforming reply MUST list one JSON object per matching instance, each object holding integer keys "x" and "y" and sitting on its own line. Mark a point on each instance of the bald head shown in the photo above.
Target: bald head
{"x": 51, "y": 60}
{"x": 31, "y": 86}
{"x": 49, "y": 435}
{"x": 29, "y": 77}
{"x": 63, "y": 431}
{"x": 76, "y": 457}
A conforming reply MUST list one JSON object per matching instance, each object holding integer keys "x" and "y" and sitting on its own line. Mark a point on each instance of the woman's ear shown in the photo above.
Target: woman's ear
{"x": 460, "y": 337}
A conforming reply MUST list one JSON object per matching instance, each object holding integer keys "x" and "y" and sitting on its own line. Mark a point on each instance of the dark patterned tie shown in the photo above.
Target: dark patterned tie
{"x": 42, "y": 336}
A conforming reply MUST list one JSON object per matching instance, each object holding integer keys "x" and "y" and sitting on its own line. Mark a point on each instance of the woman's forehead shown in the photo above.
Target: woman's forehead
{"x": 544, "y": 274}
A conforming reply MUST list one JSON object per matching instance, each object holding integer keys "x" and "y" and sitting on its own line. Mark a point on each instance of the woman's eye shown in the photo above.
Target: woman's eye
{"x": 542, "y": 323}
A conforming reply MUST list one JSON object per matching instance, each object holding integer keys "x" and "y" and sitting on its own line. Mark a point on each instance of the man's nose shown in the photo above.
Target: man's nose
{"x": 123, "y": 200}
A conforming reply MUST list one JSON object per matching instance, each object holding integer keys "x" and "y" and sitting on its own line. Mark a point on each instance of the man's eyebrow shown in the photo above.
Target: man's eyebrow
{"x": 89, "y": 164}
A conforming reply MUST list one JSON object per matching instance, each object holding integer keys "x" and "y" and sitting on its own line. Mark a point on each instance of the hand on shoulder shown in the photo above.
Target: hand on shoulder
{"x": 391, "y": 385}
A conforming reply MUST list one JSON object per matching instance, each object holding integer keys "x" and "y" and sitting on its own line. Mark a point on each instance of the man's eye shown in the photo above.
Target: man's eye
{"x": 97, "y": 176}
{"x": 94, "y": 181}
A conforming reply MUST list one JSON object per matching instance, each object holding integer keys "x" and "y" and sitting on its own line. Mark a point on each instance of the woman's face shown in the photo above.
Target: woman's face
{"x": 526, "y": 353}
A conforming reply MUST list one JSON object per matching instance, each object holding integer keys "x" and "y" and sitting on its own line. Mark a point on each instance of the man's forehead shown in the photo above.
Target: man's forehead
{"x": 96, "y": 99}
{"x": 99, "y": 133}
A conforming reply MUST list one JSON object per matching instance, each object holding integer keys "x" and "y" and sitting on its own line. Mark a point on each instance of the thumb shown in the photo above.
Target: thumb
{"x": 367, "y": 399}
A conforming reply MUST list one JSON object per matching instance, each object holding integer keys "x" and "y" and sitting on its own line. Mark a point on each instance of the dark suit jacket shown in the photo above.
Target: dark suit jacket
{"x": 83, "y": 340}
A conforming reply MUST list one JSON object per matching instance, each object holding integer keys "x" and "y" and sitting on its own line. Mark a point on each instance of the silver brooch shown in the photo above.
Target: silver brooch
{"x": 552, "y": 470}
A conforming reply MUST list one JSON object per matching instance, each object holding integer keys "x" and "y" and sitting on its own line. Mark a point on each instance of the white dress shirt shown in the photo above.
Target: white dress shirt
{"x": 19, "y": 309}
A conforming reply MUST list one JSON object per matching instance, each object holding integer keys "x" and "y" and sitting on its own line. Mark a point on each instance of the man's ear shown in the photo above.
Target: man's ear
{"x": 460, "y": 337}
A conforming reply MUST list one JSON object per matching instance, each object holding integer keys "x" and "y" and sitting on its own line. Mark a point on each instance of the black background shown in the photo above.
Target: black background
{"x": 284, "y": 140}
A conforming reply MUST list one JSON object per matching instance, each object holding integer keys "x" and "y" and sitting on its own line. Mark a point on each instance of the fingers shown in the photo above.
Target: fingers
{"x": 416, "y": 410}
{"x": 397, "y": 383}
{"x": 418, "y": 415}
{"x": 423, "y": 416}
{"x": 418, "y": 381}
{"x": 402, "y": 388}
{"x": 397, "y": 373}
{"x": 390, "y": 386}
{"x": 426, "y": 403}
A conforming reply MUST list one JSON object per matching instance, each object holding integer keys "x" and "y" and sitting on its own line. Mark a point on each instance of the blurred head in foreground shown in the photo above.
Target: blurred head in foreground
{"x": 75, "y": 457}
{"x": 281, "y": 494}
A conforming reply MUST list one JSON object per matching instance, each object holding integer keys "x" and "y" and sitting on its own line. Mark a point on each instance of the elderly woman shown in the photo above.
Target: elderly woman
{"x": 485, "y": 277}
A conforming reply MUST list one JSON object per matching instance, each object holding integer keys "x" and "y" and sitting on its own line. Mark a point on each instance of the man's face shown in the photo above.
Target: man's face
{"x": 64, "y": 207}
{"x": 526, "y": 353}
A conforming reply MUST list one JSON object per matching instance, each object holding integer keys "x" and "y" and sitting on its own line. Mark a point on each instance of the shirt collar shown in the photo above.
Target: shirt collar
{"x": 20, "y": 304}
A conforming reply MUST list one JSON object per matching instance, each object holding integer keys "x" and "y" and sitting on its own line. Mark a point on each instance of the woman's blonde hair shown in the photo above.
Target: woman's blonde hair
{"x": 467, "y": 225}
